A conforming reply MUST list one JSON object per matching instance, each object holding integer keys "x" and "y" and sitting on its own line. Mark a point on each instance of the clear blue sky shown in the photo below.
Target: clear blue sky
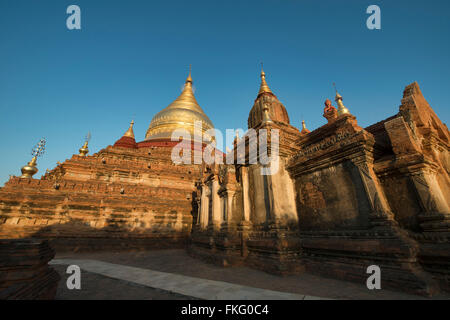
{"x": 131, "y": 58}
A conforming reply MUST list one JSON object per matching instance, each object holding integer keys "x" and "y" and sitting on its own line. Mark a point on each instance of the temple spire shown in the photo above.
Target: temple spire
{"x": 130, "y": 132}
{"x": 30, "y": 169}
{"x": 127, "y": 140}
{"x": 341, "y": 108}
{"x": 189, "y": 78}
{"x": 84, "y": 150}
{"x": 304, "y": 129}
{"x": 264, "y": 87}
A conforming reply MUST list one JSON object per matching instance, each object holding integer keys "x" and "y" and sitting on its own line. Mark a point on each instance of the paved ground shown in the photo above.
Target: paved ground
{"x": 174, "y": 283}
{"x": 177, "y": 262}
{"x": 98, "y": 287}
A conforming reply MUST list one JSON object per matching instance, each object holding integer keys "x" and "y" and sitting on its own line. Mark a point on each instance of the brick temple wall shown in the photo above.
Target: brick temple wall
{"x": 362, "y": 196}
{"x": 344, "y": 198}
{"x": 117, "y": 198}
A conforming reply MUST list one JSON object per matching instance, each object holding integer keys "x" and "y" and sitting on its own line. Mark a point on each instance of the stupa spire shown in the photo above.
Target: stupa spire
{"x": 264, "y": 87}
{"x": 304, "y": 129}
{"x": 187, "y": 95}
{"x": 129, "y": 132}
{"x": 189, "y": 78}
{"x": 30, "y": 169}
{"x": 127, "y": 140}
{"x": 84, "y": 150}
{"x": 341, "y": 108}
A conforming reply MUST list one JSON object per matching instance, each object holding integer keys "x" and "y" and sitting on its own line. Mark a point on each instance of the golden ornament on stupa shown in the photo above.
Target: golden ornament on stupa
{"x": 130, "y": 132}
{"x": 304, "y": 129}
{"x": 30, "y": 168}
{"x": 84, "y": 149}
{"x": 264, "y": 86}
{"x": 341, "y": 108}
{"x": 180, "y": 114}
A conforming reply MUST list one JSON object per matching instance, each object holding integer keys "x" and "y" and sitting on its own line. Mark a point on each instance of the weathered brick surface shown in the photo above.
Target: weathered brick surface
{"x": 373, "y": 196}
{"x": 118, "y": 198}
{"x": 344, "y": 197}
{"x": 24, "y": 270}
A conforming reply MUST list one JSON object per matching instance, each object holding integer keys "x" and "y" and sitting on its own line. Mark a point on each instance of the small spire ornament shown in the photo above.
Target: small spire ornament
{"x": 263, "y": 87}
{"x": 30, "y": 169}
{"x": 304, "y": 129}
{"x": 84, "y": 149}
{"x": 189, "y": 78}
{"x": 130, "y": 132}
{"x": 341, "y": 108}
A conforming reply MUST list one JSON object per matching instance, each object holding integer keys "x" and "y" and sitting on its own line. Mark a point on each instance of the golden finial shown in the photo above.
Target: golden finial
{"x": 130, "y": 132}
{"x": 264, "y": 87}
{"x": 341, "y": 108}
{"x": 189, "y": 78}
{"x": 84, "y": 149}
{"x": 304, "y": 129}
{"x": 266, "y": 116}
{"x": 30, "y": 169}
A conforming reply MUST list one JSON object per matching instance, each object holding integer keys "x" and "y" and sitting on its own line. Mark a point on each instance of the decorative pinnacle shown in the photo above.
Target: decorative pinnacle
{"x": 338, "y": 96}
{"x": 129, "y": 132}
{"x": 39, "y": 148}
{"x": 189, "y": 78}
{"x": 264, "y": 87}
{"x": 84, "y": 150}
{"x": 30, "y": 169}
{"x": 304, "y": 129}
{"x": 341, "y": 108}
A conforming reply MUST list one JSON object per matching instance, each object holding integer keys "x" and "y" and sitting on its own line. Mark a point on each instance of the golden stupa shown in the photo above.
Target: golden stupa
{"x": 180, "y": 114}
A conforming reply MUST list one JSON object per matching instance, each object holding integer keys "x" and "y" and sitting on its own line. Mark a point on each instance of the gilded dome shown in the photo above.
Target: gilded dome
{"x": 180, "y": 114}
